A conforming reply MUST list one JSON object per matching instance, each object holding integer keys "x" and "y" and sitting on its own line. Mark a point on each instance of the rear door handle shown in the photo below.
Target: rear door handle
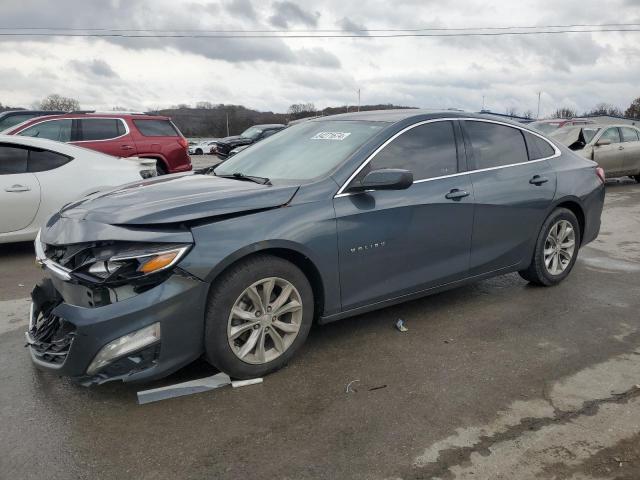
{"x": 456, "y": 194}
{"x": 538, "y": 180}
{"x": 17, "y": 188}
{"x": 620, "y": 147}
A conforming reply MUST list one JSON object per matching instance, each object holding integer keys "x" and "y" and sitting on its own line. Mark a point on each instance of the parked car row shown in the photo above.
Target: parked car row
{"x": 119, "y": 134}
{"x": 224, "y": 146}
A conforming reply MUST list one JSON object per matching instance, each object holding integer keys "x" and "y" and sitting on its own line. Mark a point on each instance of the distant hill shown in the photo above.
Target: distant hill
{"x": 212, "y": 122}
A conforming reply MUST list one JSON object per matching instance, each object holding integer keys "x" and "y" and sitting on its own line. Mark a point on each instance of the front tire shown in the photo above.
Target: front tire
{"x": 556, "y": 249}
{"x": 258, "y": 314}
{"x": 637, "y": 178}
{"x": 199, "y": 151}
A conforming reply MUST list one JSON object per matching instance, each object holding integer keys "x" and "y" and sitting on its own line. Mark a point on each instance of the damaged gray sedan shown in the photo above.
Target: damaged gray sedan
{"x": 327, "y": 219}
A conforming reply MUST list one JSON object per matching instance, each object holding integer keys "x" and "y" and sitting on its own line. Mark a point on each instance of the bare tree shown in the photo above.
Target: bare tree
{"x": 605, "y": 109}
{"x": 512, "y": 111}
{"x": 205, "y": 105}
{"x": 301, "y": 110}
{"x": 634, "y": 109}
{"x": 528, "y": 114}
{"x": 564, "y": 112}
{"x": 58, "y": 102}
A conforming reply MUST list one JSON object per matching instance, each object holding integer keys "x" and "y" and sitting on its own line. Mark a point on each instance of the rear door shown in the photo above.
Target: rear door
{"x": 107, "y": 135}
{"x": 19, "y": 189}
{"x": 631, "y": 143}
{"x": 514, "y": 184}
{"x": 610, "y": 157}
{"x": 395, "y": 242}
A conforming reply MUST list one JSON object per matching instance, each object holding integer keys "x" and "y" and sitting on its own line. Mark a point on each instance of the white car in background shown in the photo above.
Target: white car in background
{"x": 39, "y": 176}
{"x": 203, "y": 147}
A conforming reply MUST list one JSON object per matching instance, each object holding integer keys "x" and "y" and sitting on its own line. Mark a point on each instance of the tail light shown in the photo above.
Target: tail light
{"x": 600, "y": 174}
{"x": 183, "y": 142}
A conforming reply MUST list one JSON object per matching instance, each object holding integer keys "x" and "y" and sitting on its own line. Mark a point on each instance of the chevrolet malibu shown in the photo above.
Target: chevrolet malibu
{"x": 327, "y": 219}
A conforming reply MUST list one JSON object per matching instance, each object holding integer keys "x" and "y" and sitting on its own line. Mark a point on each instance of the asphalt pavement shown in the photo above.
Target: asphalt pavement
{"x": 498, "y": 380}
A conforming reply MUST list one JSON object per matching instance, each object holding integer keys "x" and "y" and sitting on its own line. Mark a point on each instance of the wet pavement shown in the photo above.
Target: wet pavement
{"x": 495, "y": 380}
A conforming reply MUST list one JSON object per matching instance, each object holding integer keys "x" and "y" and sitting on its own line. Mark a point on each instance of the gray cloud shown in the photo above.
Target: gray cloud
{"x": 350, "y": 26}
{"x": 93, "y": 68}
{"x": 288, "y": 13}
{"x": 242, "y": 8}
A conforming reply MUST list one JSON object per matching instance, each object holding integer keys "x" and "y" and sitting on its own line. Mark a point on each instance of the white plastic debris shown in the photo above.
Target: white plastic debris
{"x": 350, "y": 389}
{"x": 244, "y": 383}
{"x": 185, "y": 388}
{"x": 401, "y": 326}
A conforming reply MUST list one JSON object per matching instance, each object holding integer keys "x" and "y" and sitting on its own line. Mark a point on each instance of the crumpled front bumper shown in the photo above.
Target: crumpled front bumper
{"x": 178, "y": 304}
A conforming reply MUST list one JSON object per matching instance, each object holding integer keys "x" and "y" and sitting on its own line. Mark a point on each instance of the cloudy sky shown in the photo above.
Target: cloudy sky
{"x": 575, "y": 70}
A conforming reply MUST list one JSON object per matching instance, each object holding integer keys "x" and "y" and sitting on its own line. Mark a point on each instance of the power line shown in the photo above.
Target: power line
{"x": 254, "y": 36}
{"x": 311, "y": 31}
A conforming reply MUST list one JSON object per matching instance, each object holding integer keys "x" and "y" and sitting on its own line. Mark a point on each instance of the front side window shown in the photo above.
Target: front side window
{"x": 156, "y": 128}
{"x": 611, "y": 134}
{"x": 495, "y": 145}
{"x": 629, "y": 134}
{"x": 13, "y": 159}
{"x": 98, "y": 129}
{"x": 58, "y": 130}
{"x": 427, "y": 151}
{"x": 302, "y": 152}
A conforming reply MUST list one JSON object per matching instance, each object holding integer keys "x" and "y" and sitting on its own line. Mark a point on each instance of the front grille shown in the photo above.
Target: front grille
{"x": 50, "y": 337}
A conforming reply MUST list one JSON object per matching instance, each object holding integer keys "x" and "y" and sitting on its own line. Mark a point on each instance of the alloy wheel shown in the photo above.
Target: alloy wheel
{"x": 559, "y": 247}
{"x": 265, "y": 320}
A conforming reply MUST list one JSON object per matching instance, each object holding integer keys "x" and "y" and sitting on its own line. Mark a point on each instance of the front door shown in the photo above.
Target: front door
{"x": 631, "y": 143}
{"x": 392, "y": 243}
{"x": 610, "y": 157}
{"x": 19, "y": 190}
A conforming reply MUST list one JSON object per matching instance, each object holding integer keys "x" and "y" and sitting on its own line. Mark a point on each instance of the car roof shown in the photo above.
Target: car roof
{"x": 8, "y": 113}
{"x": 45, "y": 144}
{"x": 398, "y": 115}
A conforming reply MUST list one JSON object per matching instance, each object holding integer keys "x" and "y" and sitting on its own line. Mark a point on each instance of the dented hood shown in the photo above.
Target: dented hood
{"x": 177, "y": 198}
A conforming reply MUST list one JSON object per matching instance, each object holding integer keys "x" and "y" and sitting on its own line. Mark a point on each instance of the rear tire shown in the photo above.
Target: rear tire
{"x": 637, "y": 178}
{"x": 258, "y": 314}
{"x": 160, "y": 169}
{"x": 556, "y": 249}
{"x": 199, "y": 151}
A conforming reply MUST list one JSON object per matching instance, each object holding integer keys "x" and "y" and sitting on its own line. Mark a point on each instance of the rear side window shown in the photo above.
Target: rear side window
{"x": 59, "y": 130}
{"x": 495, "y": 145}
{"x": 427, "y": 151}
{"x": 538, "y": 148}
{"x": 99, "y": 128}
{"x": 611, "y": 134}
{"x": 13, "y": 159}
{"x": 156, "y": 128}
{"x": 43, "y": 160}
{"x": 629, "y": 134}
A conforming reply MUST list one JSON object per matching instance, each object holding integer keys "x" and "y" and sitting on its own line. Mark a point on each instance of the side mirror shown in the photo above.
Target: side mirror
{"x": 385, "y": 179}
{"x": 602, "y": 142}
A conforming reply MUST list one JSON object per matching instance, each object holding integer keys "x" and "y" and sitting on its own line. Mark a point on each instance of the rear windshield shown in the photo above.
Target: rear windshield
{"x": 545, "y": 127}
{"x": 156, "y": 128}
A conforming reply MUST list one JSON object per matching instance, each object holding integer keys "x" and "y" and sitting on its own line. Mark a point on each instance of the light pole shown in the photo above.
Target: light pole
{"x": 538, "y": 115}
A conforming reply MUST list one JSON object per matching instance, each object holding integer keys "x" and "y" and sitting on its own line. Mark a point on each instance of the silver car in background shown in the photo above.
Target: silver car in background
{"x": 616, "y": 148}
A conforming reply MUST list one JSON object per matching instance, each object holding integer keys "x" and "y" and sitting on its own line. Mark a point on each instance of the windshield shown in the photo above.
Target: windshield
{"x": 575, "y": 137}
{"x": 301, "y": 152}
{"x": 545, "y": 127}
{"x": 251, "y": 132}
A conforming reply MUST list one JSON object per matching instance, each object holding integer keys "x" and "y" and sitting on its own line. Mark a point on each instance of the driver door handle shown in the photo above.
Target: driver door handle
{"x": 456, "y": 194}
{"x": 17, "y": 188}
{"x": 538, "y": 180}
{"x": 620, "y": 147}
{"x": 126, "y": 147}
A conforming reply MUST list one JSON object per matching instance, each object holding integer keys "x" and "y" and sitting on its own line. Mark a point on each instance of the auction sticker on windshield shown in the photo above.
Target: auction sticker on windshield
{"x": 330, "y": 135}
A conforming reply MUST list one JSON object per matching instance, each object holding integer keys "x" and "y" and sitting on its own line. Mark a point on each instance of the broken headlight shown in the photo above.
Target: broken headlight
{"x": 109, "y": 266}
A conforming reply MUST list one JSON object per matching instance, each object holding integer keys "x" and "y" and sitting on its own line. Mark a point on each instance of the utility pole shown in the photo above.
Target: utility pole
{"x": 538, "y": 115}
{"x": 227, "y": 124}
{"x": 482, "y": 103}
{"x": 358, "y": 99}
